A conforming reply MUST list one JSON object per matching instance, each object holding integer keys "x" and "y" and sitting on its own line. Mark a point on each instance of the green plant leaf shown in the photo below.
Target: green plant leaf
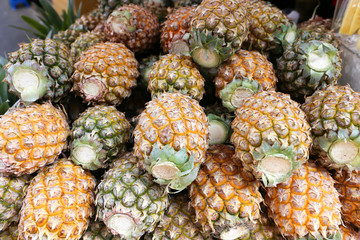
{"x": 4, "y": 107}
{"x": 34, "y": 24}
{"x": 55, "y": 18}
{"x": 29, "y": 31}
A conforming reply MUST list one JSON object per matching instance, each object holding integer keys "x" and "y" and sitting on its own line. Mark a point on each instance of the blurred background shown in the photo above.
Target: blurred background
{"x": 12, "y": 36}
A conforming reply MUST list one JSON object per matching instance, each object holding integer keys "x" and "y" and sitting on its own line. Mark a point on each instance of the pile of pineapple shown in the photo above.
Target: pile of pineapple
{"x": 219, "y": 119}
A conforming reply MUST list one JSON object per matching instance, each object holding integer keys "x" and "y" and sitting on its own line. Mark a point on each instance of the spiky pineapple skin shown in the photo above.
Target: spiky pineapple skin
{"x": 58, "y": 203}
{"x": 265, "y": 20}
{"x": 332, "y": 114}
{"x": 89, "y": 21}
{"x": 51, "y": 57}
{"x": 112, "y": 67}
{"x": 348, "y": 233}
{"x": 129, "y": 190}
{"x": 223, "y": 194}
{"x": 83, "y": 42}
{"x": 107, "y": 6}
{"x": 10, "y": 233}
{"x": 172, "y": 119}
{"x": 139, "y": 33}
{"x": 184, "y": 3}
{"x": 273, "y": 118}
{"x": 307, "y": 205}
{"x": 176, "y": 73}
{"x": 68, "y": 36}
{"x": 105, "y": 125}
{"x": 31, "y": 138}
{"x": 176, "y": 26}
{"x": 12, "y": 193}
{"x": 178, "y": 222}
{"x": 348, "y": 185}
{"x": 98, "y": 231}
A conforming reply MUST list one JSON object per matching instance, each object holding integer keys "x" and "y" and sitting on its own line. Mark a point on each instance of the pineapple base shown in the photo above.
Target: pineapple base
{"x": 319, "y": 61}
{"x": 275, "y": 165}
{"x": 92, "y": 89}
{"x": 84, "y": 154}
{"x": 219, "y": 130}
{"x": 180, "y": 47}
{"x": 166, "y": 171}
{"x": 343, "y": 152}
{"x": 122, "y": 224}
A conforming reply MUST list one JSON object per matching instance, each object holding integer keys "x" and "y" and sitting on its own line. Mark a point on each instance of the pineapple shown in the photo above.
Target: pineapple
{"x": 218, "y": 29}
{"x": 12, "y": 192}
{"x": 171, "y": 138}
{"x": 105, "y": 73}
{"x": 348, "y": 185}
{"x": 31, "y": 138}
{"x": 271, "y": 136}
{"x": 265, "y": 21}
{"x": 134, "y": 26}
{"x": 176, "y": 73}
{"x": 307, "y": 205}
{"x": 242, "y": 75}
{"x": 98, "y": 231}
{"x": 98, "y": 136}
{"x": 306, "y": 66}
{"x": 319, "y": 29}
{"x": 10, "y": 233}
{"x": 263, "y": 229}
{"x": 83, "y": 42}
{"x": 58, "y": 203}
{"x": 128, "y": 201}
{"x": 178, "y": 222}
{"x": 332, "y": 115}
{"x": 68, "y": 36}
{"x": 145, "y": 66}
{"x": 176, "y": 29}
{"x": 159, "y": 8}
{"x": 107, "y": 6}
{"x": 184, "y": 3}
{"x": 40, "y": 70}
{"x": 348, "y": 233}
{"x": 89, "y": 21}
{"x": 226, "y": 198}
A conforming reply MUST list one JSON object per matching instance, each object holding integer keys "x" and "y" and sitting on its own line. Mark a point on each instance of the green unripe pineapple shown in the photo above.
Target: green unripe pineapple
{"x": 99, "y": 135}
{"x": 128, "y": 201}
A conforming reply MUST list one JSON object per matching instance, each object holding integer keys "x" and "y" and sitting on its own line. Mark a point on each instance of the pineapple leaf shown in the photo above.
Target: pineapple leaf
{"x": 36, "y": 25}
{"x": 28, "y": 30}
{"x": 50, "y": 11}
{"x": 4, "y": 107}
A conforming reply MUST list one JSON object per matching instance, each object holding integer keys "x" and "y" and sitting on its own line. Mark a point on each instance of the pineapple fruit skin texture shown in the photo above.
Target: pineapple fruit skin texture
{"x": 176, "y": 73}
{"x": 31, "y": 138}
{"x": 348, "y": 185}
{"x": 333, "y": 116}
{"x": 83, "y": 42}
{"x": 270, "y": 118}
{"x": 12, "y": 193}
{"x": 49, "y": 57}
{"x": 58, "y": 203}
{"x": 246, "y": 64}
{"x": 128, "y": 190}
{"x": 224, "y": 195}
{"x": 106, "y": 126}
{"x": 178, "y": 222}
{"x": 307, "y": 205}
{"x": 10, "y": 233}
{"x": 176, "y": 26}
{"x": 98, "y": 231}
{"x": 107, "y": 6}
{"x": 111, "y": 67}
{"x": 139, "y": 31}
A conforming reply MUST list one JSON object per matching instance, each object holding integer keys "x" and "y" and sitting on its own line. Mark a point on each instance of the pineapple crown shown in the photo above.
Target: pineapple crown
{"x": 277, "y": 163}
{"x": 208, "y": 50}
{"x": 287, "y": 35}
{"x": 173, "y": 168}
{"x": 239, "y": 88}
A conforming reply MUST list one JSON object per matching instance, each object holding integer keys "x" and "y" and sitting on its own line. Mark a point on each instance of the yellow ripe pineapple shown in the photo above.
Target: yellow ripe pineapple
{"x": 307, "y": 205}
{"x": 58, "y": 204}
{"x": 171, "y": 138}
{"x": 31, "y": 137}
{"x": 243, "y": 75}
{"x": 226, "y": 198}
{"x": 348, "y": 233}
{"x": 271, "y": 136}
{"x": 105, "y": 73}
{"x": 348, "y": 185}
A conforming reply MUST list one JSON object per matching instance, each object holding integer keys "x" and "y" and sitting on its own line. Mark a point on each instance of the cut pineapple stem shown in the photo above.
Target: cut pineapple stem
{"x": 29, "y": 84}
{"x": 206, "y": 58}
{"x": 235, "y": 233}
{"x": 275, "y": 165}
{"x": 123, "y": 224}
{"x": 218, "y": 132}
{"x": 92, "y": 88}
{"x": 180, "y": 47}
{"x": 343, "y": 152}
{"x": 240, "y": 94}
{"x": 319, "y": 61}
{"x": 166, "y": 170}
{"x": 290, "y": 37}
{"x": 120, "y": 21}
{"x": 84, "y": 154}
